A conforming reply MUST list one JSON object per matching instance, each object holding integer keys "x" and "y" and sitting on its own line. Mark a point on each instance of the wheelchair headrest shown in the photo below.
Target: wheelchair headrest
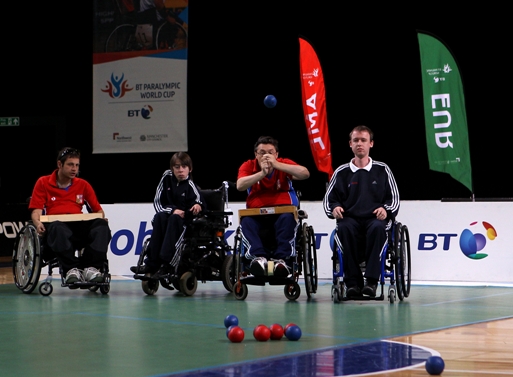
{"x": 213, "y": 199}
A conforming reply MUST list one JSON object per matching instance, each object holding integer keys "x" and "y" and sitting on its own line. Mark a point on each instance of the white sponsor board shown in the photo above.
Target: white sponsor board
{"x": 440, "y": 235}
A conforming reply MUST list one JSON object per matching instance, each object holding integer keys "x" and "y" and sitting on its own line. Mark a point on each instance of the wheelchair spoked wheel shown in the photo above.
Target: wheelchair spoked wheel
{"x": 405, "y": 256}
{"x": 402, "y": 261}
{"x": 188, "y": 283}
{"x": 292, "y": 291}
{"x": 309, "y": 260}
{"x": 122, "y": 38}
{"x": 150, "y": 286}
{"x": 171, "y": 37}
{"x": 396, "y": 261}
{"x": 26, "y": 260}
{"x": 228, "y": 273}
{"x": 239, "y": 289}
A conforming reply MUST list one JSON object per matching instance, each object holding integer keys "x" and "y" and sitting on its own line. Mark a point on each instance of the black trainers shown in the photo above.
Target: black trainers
{"x": 369, "y": 289}
{"x": 353, "y": 291}
{"x": 258, "y": 266}
{"x": 142, "y": 269}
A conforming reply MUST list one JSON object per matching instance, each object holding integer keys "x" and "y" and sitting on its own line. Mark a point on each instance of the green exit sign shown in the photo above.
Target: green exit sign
{"x": 9, "y": 121}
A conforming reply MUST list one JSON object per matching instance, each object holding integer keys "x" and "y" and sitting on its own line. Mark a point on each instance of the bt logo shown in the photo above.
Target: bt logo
{"x": 144, "y": 112}
{"x": 470, "y": 243}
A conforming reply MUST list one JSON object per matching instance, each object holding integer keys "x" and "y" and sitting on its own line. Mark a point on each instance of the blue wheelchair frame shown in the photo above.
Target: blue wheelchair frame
{"x": 395, "y": 266}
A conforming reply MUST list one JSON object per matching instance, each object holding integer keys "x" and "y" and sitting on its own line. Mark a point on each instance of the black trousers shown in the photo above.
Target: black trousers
{"x": 166, "y": 238}
{"x": 350, "y": 233}
{"x": 65, "y": 238}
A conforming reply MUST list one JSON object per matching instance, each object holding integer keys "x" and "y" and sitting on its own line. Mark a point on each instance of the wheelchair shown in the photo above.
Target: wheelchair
{"x": 395, "y": 267}
{"x": 304, "y": 264}
{"x": 204, "y": 254}
{"x": 31, "y": 255}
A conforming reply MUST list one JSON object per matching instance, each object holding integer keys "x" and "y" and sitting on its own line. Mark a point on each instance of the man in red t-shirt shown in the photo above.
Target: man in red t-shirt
{"x": 62, "y": 192}
{"x": 268, "y": 181}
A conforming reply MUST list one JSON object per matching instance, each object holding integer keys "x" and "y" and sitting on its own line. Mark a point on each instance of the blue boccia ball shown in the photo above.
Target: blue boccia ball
{"x": 231, "y": 320}
{"x": 270, "y": 101}
{"x": 293, "y": 333}
{"x": 435, "y": 365}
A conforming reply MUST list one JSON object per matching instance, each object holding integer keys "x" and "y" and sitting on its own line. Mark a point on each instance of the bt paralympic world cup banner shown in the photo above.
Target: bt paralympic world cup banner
{"x": 139, "y": 77}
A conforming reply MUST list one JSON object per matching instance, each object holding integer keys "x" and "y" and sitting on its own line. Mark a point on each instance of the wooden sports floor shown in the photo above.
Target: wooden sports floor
{"x": 127, "y": 333}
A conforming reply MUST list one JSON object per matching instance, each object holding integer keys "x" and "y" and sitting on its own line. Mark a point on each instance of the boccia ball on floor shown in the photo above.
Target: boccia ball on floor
{"x": 435, "y": 365}
{"x": 236, "y": 334}
{"x": 276, "y": 331}
{"x": 293, "y": 333}
{"x": 231, "y": 320}
{"x": 262, "y": 333}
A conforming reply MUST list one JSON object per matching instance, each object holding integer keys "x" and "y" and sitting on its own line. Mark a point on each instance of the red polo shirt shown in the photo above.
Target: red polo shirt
{"x": 59, "y": 201}
{"x": 273, "y": 190}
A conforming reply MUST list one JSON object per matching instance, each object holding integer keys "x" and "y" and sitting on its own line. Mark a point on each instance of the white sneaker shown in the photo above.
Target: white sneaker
{"x": 73, "y": 275}
{"x": 280, "y": 268}
{"x": 258, "y": 266}
{"x": 92, "y": 275}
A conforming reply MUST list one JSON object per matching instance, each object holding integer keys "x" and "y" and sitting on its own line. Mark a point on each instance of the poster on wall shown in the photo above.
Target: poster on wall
{"x": 140, "y": 76}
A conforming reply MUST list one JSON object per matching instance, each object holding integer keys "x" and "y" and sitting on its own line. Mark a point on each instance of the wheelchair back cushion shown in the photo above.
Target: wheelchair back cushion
{"x": 213, "y": 199}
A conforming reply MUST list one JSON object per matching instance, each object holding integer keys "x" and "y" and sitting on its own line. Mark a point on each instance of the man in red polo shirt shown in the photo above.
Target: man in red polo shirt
{"x": 268, "y": 181}
{"x": 62, "y": 192}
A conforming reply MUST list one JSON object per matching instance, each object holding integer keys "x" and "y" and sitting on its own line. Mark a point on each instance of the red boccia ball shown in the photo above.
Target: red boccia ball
{"x": 287, "y": 326}
{"x": 236, "y": 334}
{"x": 277, "y": 331}
{"x": 262, "y": 333}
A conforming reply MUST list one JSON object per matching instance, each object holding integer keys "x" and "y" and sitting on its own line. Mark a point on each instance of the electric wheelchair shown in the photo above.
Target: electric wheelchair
{"x": 395, "y": 267}
{"x": 204, "y": 252}
{"x": 304, "y": 264}
{"x": 31, "y": 255}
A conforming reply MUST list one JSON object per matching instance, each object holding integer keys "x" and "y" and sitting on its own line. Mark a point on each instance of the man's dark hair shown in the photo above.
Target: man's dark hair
{"x": 362, "y": 128}
{"x": 66, "y": 153}
{"x": 266, "y": 140}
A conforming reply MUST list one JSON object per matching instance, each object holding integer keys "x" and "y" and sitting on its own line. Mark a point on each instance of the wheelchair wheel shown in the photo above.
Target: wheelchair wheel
{"x": 405, "y": 256}
{"x": 150, "y": 286}
{"x": 309, "y": 260}
{"x": 94, "y": 288}
{"x": 171, "y": 37}
{"x": 228, "y": 273}
{"x": 26, "y": 260}
{"x": 292, "y": 291}
{"x": 122, "y": 39}
{"x": 336, "y": 294}
{"x": 46, "y": 289}
{"x": 104, "y": 289}
{"x": 240, "y": 291}
{"x": 188, "y": 283}
{"x": 396, "y": 258}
